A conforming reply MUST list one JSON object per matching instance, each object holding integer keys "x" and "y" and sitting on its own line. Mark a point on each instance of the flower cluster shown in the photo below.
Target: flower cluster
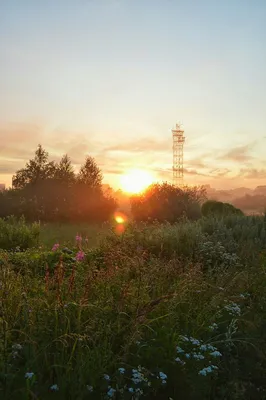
{"x": 78, "y": 238}
{"x": 195, "y": 349}
{"x": 207, "y": 370}
{"x": 233, "y": 309}
{"x": 55, "y": 247}
{"x": 80, "y": 256}
{"x": 163, "y": 377}
{"x": 29, "y": 375}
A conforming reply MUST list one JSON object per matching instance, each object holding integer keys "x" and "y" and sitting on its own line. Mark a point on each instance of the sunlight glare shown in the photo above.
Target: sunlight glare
{"x": 136, "y": 181}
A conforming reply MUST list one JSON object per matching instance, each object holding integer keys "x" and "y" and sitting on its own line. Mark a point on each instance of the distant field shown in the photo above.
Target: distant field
{"x": 65, "y": 233}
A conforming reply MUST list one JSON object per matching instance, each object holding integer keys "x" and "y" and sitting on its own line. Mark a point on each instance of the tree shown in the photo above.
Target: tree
{"x": 165, "y": 202}
{"x": 90, "y": 175}
{"x": 64, "y": 171}
{"x": 36, "y": 170}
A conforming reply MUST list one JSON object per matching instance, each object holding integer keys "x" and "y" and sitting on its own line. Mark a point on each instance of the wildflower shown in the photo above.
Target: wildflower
{"x": 138, "y": 390}
{"x": 198, "y": 356}
{"x": 216, "y": 354}
{"x": 90, "y": 388}
{"x": 213, "y": 326}
{"x": 187, "y": 355}
{"x": 111, "y": 392}
{"x": 162, "y": 375}
{"x": 233, "y": 309}
{"x": 54, "y": 388}
{"x": 131, "y": 390}
{"x": 180, "y": 361}
{"x": 80, "y": 256}
{"x": 164, "y": 382}
{"x": 78, "y": 238}
{"x": 55, "y": 247}
{"x": 106, "y": 377}
{"x": 196, "y": 342}
{"x": 121, "y": 370}
{"x": 179, "y": 350}
{"x": 184, "y": 338}
{"x": 17, "y": 346}
{"x": 29, "y": 375}
{"x": 207, "y": 370}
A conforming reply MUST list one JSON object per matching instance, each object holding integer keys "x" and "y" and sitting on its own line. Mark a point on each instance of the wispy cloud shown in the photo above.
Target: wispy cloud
{"x": 239, "y": 154}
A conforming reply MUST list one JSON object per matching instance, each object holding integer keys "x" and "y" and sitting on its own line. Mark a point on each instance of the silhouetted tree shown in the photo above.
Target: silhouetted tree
{"x": 64, "y": 171}
{"x": 89, "y": 174}
{"x": 49, "y": 191}
{"x": 36, "y": 170}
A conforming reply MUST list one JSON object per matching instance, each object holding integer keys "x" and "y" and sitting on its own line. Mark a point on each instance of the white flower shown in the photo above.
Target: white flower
{"x": 111, "y": 392}
{"x": 213, "y": 326}
{"x": 90, "y": 388}
{"x": 131, "y": 390}
{"x": 233, "y": 309}
{"x": 163, "y": 382}
{"x": 121, "y": 370}
{"x": 17, "y": 346}
{"x": 178, "y": 359}
{"x": 179, "y": 350}
{"x": 198, "y": 356}
{"x": 216, "y": 354}
{"x": 54, "y": 387}
{"x": 106, "y": 377}
{"x": 162, "y": 375}
{"x": 29, "y": 375}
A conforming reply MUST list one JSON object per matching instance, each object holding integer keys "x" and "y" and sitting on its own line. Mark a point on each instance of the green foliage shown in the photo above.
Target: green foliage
{"x": 16, "y": 234}
{"x": 219, "y": 209}
{"x": 165, "y": 202}
{"x": 155, "y": 303}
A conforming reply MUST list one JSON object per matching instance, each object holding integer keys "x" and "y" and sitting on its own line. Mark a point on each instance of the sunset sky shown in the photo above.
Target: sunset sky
{"x": 109, "y": 78}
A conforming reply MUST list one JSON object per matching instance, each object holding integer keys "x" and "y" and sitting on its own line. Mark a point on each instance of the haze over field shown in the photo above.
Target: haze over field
{"x": 109, "y": 78}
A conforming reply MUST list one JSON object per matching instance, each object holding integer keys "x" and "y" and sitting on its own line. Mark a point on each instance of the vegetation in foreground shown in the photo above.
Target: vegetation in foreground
{"x": 161, "y": 311}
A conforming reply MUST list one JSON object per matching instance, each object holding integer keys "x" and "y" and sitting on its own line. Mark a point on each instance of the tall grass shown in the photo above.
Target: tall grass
{"x": 125, "y": 307}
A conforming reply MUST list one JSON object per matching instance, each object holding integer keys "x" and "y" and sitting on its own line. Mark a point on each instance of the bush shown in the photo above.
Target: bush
{"x": 219, "y": 209}
{"x": 165, "y": 202}
{"x": 16, "y": 234}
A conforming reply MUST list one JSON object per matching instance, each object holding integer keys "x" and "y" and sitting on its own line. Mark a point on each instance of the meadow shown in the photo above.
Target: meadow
{"x": 160, "y": 311}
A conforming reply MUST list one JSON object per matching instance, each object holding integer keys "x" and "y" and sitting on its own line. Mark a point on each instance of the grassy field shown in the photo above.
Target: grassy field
{"x": 65, "y": 233}
{"x": 161, "y": 312}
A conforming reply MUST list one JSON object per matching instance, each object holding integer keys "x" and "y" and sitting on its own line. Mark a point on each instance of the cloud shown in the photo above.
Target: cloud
{"x": 140, "y": 146}
{"x": 239, "y": 154}
{"x": 252, "y": 173}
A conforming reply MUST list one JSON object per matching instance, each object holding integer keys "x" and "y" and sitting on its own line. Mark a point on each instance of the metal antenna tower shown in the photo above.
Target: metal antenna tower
{"x": 178, "y": 145}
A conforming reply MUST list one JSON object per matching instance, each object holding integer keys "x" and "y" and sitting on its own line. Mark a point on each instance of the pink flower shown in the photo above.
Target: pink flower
{"x": 55, "y": 247}
{"x": 80, "y": 256}
{"x": 78, "y": 238}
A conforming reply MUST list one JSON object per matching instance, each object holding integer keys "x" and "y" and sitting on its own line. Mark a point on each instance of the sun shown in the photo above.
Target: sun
{"x": 136, "y": 181}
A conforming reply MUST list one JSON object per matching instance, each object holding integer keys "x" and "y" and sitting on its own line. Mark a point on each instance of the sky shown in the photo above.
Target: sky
{"x": 110, "y": 78}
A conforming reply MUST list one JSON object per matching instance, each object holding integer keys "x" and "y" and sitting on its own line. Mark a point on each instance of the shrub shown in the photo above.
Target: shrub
{"x": 165, "y": 202}
{"x": 219, "y": 209}
{"x": 16, "y": 234}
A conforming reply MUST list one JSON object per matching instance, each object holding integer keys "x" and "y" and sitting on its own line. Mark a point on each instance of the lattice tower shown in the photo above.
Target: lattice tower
{"x": 178, "y": 148}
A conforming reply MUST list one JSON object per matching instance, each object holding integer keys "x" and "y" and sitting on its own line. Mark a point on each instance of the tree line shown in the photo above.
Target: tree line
{"x": 52, "y": 192}
{"x": 48, "y": 191}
